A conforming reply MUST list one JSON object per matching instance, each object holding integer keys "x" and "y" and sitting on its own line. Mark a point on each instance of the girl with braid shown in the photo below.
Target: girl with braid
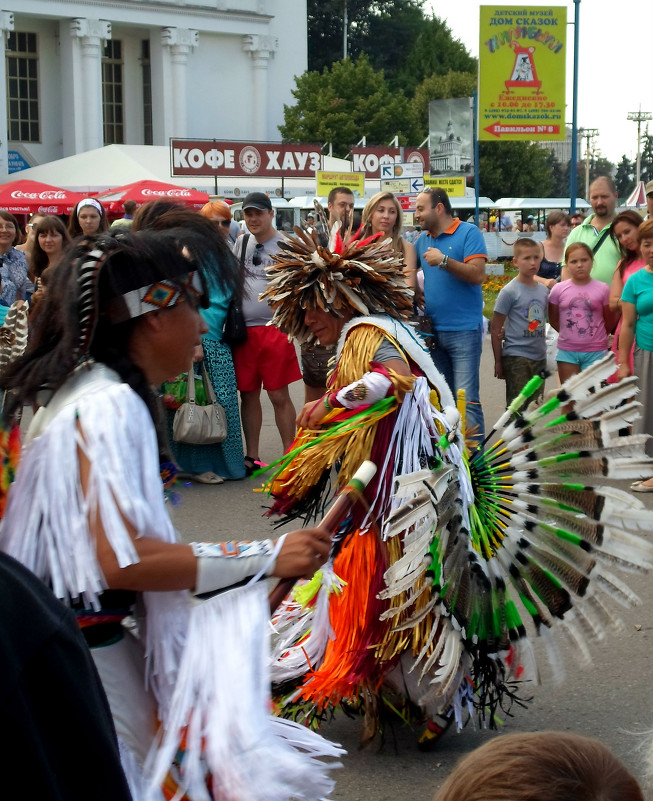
{"x": 87, "y": 514}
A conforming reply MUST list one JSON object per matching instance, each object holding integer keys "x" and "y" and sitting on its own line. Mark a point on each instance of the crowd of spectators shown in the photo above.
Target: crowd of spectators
{"x": 591, "y": 277}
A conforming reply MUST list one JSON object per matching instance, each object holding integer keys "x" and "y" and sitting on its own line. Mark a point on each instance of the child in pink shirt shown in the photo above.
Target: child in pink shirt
{"x": 579, "y": 309}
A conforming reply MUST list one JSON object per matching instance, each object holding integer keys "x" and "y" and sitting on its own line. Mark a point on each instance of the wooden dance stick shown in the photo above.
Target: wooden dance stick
{"x": 336, "y": 513}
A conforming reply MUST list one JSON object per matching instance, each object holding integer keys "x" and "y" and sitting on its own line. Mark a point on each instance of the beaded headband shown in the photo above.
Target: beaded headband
{"x": 160, "y": 295}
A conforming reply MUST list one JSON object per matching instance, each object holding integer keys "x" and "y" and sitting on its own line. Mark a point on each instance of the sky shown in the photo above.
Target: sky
{"x": 614, "y": 75}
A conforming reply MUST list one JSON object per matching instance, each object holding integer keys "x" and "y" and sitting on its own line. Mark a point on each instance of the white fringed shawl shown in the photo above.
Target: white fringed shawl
{"x": 46, "y": 528}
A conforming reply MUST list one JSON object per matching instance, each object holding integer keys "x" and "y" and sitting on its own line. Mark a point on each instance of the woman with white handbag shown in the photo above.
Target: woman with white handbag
{"x": 210, "y": 460}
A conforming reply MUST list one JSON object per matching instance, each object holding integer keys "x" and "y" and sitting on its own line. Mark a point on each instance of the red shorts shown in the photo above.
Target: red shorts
{"x": 266, "y": 358}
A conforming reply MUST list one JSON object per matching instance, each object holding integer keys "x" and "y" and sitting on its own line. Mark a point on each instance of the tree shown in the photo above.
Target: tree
{"x": 344, "y": 103}
{"x": 439, "y": 87}
{"x": 601, "y": 166}
{"x": 646, "y": 162}
{"x": 435, "y": 52}
{"x": 370, "y": 30}
{"x": 624, "y": 177}
{"x": 559, "y": 175}
{"x": 514, "y": 169}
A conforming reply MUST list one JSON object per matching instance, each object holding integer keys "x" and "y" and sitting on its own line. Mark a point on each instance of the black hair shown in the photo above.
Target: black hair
{"x": 438, "y": 195}
{"x": 220, "y": 266}
{"x": 339, "y": 190}
{"x": 74, "y": 324}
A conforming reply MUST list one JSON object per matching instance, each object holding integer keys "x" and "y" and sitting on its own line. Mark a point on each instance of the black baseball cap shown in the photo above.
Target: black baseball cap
{"x": 257, "y": 200}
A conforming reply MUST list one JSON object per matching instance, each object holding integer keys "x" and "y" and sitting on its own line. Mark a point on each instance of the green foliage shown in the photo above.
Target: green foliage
{"x": 646, "y": 161}
{"x": 435, "y": 52}
{"x": 397, "y": 36}
{"x": 392, "y": 34}
{"x": 514, "y": 169}
{"x": 559, "y": 175}
{"x": 439, "y": 87}
{"x": 344, "y": 103}
{"x": 625, "y": 177}
{"x": 382, "y": 29}
{"x": 599, "y": 166}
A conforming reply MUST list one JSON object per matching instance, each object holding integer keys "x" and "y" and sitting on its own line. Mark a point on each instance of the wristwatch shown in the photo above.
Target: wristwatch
{"x": 443, "y": 263}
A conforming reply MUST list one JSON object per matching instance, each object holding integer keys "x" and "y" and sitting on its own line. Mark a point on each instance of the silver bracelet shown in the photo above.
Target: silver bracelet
{"x": 443, "y": 263}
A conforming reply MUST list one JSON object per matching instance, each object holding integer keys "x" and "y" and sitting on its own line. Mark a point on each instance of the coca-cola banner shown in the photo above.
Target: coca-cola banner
{"x": 201, "y": 157}
{"x": 30, "y": 197}
{"x": 369, "y": 159}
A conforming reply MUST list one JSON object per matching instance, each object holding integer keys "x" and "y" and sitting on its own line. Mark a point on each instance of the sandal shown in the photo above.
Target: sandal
{"x": 252, "y": 465}
{"x": 641, "y": 486}
{"x": 207, "y": 478}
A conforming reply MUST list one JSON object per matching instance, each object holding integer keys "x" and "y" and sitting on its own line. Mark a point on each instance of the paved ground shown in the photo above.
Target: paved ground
{"x": 612, "y": 700}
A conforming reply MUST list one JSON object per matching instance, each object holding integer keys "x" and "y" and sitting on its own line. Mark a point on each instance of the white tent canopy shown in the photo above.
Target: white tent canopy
{"x": 117, "y": 165}
{"x": 517, "y": 203}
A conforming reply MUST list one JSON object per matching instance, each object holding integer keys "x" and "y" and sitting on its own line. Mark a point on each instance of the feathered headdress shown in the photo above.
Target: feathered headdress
{"x": 345, "y": 274}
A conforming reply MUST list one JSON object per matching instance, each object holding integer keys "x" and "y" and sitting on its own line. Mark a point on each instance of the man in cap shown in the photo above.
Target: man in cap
{"x": 649, "y": 200}
{"x": 266, "y": 359}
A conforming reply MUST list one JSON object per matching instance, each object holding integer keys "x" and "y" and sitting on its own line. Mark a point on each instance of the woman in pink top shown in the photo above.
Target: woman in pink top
{"x": 624, "y": 230}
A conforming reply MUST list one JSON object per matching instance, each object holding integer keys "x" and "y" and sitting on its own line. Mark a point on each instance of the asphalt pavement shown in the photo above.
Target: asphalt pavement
{"x": 612, "y": 700}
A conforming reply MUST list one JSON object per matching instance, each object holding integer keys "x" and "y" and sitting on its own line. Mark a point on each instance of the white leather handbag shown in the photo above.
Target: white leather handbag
{"x": 199, "y": 425}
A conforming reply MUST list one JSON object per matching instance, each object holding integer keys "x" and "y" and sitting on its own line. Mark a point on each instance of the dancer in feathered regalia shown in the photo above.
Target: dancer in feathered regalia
{"x": 429, "y": 580}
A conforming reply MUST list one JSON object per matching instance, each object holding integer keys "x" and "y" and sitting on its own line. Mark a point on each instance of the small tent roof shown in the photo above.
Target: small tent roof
{"x": 637, "y": 197}
{"x": 29, "y": 197}
{"x": 144, "y": 191}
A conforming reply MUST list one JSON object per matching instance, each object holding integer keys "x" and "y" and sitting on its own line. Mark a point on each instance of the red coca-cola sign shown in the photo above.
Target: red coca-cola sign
{"x": 30, "y": 197}
{"x": 48, "y": 194}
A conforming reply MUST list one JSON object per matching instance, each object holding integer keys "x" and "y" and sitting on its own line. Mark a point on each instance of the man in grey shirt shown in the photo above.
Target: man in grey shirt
{"x": 266, "y": 359}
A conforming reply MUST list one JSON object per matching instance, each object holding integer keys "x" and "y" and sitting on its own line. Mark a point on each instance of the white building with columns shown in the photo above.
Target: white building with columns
{"x": 80, "y": 74}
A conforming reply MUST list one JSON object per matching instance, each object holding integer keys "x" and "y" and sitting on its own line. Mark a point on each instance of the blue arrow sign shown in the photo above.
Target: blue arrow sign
{"x": 417, "y": 184}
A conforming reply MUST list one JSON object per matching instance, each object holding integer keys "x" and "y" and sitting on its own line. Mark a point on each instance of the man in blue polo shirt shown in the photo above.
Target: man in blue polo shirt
{"x": 452, "y": 255}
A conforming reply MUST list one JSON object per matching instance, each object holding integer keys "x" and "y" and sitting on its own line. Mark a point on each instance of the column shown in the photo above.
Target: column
{"x": 88, "y": 40}
{"x": 261, "y": 49}
{"x": 178, "y": 42}
{"x": 6, "y": 27}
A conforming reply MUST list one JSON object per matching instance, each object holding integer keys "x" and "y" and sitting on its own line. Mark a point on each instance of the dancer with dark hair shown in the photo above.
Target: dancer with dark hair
{"x": 87, "y": 514}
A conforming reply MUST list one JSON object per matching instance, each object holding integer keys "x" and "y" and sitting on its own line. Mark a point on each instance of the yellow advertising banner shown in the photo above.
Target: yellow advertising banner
{"x": 326, "y": 181}
{"x": 522, "y": 73}
{"x": 454, "y": 186}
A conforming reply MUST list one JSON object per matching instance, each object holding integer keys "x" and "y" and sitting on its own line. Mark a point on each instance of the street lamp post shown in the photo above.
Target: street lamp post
{"x": 639, "y": 117}
{"x": 573, "y": 178}
{"x": 589, "y": 134}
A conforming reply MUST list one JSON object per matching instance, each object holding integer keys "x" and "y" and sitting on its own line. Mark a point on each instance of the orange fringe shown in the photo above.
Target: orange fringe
{"x": 350, "y": 664}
